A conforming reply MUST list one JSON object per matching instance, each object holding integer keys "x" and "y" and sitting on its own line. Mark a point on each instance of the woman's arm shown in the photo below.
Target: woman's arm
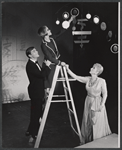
{"x": 79, "y": 78}
{"x": 104, "y": 92}
{"x": 57, "y": 35}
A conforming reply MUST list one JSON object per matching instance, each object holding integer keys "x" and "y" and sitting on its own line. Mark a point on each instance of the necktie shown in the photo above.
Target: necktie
{"x": 38, "y": 65}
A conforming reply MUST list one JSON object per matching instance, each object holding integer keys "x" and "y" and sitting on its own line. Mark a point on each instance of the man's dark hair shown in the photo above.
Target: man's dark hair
{"x": 28, "y": 51}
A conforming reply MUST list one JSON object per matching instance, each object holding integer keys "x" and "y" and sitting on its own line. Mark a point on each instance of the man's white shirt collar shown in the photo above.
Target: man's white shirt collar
{"x": 33, "y": 60}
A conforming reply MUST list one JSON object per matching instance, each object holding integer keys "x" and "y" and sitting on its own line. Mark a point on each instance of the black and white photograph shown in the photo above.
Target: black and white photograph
{"x": 60, "y": 74}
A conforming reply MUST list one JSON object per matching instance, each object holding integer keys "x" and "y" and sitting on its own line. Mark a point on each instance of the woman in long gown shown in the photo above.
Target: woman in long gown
{"x": 95, "y": 122}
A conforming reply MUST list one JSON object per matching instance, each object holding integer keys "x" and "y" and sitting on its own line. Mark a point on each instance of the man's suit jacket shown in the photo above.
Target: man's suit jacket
{"x": 36, "y": 78}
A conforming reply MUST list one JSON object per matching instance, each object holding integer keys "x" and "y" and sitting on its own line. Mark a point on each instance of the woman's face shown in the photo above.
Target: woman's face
{"x": 48, "y": 31}
{"x": 93, "y": 70}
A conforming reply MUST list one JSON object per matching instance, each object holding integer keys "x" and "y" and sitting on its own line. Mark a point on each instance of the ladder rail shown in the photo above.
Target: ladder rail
{"x": 67, "y": 89}
{"x": 75, "y": 130}
{"x": 41, "y": 128}
{"x": 71, "y": 111}
{"x": 77, "y": 124}
{"x": 66, "y": 95}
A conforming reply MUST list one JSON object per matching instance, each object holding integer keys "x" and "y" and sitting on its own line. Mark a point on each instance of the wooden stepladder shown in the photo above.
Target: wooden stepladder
{"x": 68, "y": 99}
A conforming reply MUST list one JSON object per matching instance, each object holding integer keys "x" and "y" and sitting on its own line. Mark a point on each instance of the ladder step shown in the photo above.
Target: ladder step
{"x": 63, "y": 79}
{"x": 55, "y": 101}
{"x": 58, "y": 96}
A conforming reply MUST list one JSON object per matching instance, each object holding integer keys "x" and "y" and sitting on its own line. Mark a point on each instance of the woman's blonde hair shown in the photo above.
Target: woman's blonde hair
{"x": 99, "y": 68}
{"x": 41, "y": 31}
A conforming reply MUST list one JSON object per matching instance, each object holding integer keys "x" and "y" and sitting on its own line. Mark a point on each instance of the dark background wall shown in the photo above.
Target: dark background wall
{"x": 98, "y": 49}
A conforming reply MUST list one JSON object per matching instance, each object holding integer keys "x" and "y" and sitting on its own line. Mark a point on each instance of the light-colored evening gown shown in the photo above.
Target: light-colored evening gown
{"x": 94, "y": 123}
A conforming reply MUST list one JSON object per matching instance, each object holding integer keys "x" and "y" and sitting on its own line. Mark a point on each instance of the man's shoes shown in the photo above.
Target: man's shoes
{"x": 27, "y": 133}
{"x": 47, "y": 91}
{"x": 32, "y": 138}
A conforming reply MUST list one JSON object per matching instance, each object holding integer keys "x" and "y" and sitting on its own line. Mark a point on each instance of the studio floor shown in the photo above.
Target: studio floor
{"x": 57, "y": 132}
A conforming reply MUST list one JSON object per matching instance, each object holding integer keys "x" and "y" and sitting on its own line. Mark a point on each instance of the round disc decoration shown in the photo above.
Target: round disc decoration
{"x": 103, "y": 26}
{"x": 114, "y": 48}
{"x": 74, "y": 12}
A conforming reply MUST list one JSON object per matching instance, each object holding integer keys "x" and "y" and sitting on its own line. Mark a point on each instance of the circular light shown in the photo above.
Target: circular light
{"x": 88, "y": 16}
{"x": 65, "y": 24}
{"x": 65, "y": 15}
{"x": 103, "y": 26}
{"x": 74, "y": 12}
{"x": 114, "y": 48}
{"x": 57, "y": 22}
{"x": 96, "y": 19}
{"x": 109, "y": 34}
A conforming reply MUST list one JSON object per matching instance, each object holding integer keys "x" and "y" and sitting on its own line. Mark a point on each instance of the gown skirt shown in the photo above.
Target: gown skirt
{"x": 94, "y": 123}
